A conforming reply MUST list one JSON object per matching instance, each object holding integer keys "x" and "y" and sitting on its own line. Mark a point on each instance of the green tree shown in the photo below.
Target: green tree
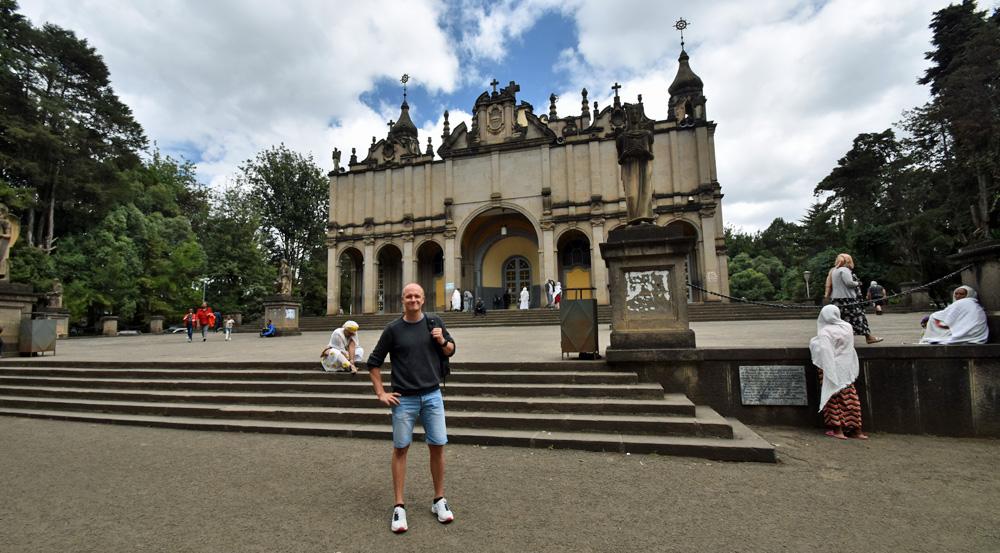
{"x": 771, "y": 267}
{"x": 291, "y": 194}
{"x": 751, "y": 285}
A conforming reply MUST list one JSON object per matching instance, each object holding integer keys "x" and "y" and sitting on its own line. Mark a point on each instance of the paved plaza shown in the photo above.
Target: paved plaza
{"x": 476, "y": 344}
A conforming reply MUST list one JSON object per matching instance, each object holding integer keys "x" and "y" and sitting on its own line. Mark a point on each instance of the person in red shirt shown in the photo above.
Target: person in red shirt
{"x": 206, "y": 320}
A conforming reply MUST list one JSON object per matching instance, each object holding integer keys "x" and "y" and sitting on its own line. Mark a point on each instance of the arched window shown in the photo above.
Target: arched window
{"x": 576, "y": 253}
{"x": 516, "y": 274}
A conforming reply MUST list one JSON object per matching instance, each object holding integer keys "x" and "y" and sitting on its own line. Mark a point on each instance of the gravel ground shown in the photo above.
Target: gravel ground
{"x": 81, "y": 487}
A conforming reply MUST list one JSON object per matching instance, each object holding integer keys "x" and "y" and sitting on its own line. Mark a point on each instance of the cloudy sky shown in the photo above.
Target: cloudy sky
{"x": 790, "y": 83}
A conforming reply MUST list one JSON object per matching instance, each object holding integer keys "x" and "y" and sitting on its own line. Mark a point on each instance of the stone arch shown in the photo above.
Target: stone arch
{"x": 388, "y": 278}
{"x": 429, "y": 257}
{"x": 487, "y": 237}
{"x": 684, "y": 227}
{"x": 351, "y": 261}
{"x": 574, "y": 263}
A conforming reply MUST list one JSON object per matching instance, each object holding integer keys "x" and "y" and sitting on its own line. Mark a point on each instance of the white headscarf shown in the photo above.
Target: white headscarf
{"x": 965, "y": 319}
{"x": 833, "y": 351}
{"x": 456, "y": 300}
{"x": 558, "y": 288}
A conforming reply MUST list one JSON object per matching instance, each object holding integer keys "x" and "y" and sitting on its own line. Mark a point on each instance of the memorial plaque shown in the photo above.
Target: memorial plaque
{"x": 647, "y": 291}
{"x": 773, "y": 385}
{"x": 290, "y": 313}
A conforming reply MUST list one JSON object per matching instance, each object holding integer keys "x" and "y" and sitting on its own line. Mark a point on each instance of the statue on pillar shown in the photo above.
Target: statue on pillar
{"x": 283, "y": 286}
{"x": 55, "y": 297}
{"x": 9, "y": 230}
{"x": 634, "y": 142}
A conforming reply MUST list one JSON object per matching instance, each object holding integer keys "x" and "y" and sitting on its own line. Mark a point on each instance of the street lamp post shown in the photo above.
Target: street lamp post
{"x": 204, "y": 286}
{"x": 806, "y": 275}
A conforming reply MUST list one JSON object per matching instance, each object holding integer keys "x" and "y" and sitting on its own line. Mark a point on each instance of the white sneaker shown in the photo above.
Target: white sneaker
{"x": 442, "y": 511}
{"x": 398, "y": 520}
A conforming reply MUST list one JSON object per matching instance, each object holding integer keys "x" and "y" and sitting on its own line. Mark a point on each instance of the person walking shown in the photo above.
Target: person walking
{"x": 832, "y": 351}
{"x": 229, "y": 324}
{"x": 524, "y": 301}
{"x": 206, "y": 320}
{"x": 843, "y": 289}
{"x": 418, "y": 345}
{"x": 190, "y": 319}
{"x": 876, "y": 295}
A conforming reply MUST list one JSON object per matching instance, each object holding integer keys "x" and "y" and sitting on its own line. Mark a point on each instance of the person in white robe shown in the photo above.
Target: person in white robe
{"x": 832, "y": 350}
{"x": 558, "y": 294}
{"x": 525, "y": 299}
{"x": 344, "y": 352}
{"x": 468, "y": 301}
{"x": 456, "y": 300}
{"x": 962, "y": 322}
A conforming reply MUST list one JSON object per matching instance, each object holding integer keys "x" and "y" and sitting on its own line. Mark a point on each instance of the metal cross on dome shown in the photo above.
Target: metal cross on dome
{"x": 405, "y": 79}
{"x": 680, "y": 26}
{"x": 494, "y": 84}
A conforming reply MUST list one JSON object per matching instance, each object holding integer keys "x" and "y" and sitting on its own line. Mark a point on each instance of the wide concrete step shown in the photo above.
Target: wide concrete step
{"x": 50, "y": 362}
{"x": 671, "y": 404}
{"x": 527, "y": 377}
{"x": 359, "y": 384}
{"x": 708, "y": 424}
{"x": 743, "y": 446}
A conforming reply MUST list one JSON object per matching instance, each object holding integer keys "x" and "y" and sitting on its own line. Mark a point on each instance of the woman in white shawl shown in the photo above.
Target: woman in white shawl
{"x": 558, "y": 294}
{"x": 962, "y": 322}
{"x": 525, "y": 299}
{"x": 456, "y": 300}
{"x": 833, "y": 353}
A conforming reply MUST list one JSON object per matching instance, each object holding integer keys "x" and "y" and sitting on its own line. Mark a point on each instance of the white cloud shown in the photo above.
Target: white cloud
{"x": 230, "y": 78}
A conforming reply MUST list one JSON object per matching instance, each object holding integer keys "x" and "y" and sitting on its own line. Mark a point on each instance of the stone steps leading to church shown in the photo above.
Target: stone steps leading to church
{"x": 536, "y": 406}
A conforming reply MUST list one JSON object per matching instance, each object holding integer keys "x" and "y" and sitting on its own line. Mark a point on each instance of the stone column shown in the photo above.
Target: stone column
{"x": 332, "y": 281}
{"x": 983, "y": 274}
{"x": 450, "y": 266}
{"x": 369, "y": 277}
{"x": 598, "y": 272}
{"x": 409, "y": 272}
{"x": 156, "y": 324}
{"x": 548, "y": 247}
{"x": 710, "y": 259}
{"x": 109, "y": 325}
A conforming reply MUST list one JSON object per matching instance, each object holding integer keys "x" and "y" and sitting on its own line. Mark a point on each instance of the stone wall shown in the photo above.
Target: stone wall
{"x": 942, "y": 390}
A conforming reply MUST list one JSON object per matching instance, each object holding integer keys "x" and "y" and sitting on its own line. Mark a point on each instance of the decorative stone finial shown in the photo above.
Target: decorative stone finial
{"x": 447, "y": 127}
{"x": 354, "y": 156}
{"x": 552, "y": 106}
{"x": 585, "y": 112}
{"x": 430, "y": 148}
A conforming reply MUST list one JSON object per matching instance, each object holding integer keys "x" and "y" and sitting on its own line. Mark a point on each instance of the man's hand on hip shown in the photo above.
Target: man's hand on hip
{"x": 389, "y": 399}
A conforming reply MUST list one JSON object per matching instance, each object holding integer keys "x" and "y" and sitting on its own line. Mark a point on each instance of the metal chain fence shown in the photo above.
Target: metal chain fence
{"x": 817, "y": 307}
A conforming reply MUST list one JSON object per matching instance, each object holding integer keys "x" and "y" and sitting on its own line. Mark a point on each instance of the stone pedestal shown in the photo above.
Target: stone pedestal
{"x": 920, "y": 299}
{"x": 16, "y": 301}
{"x": 58, "y": 314}
{"x": 284, "y": 312}
{"x": 156, "y": 324}
{"x": 984, "y": 276}
{"x": 648, "y": 292}
{"x": 109, "y": 325}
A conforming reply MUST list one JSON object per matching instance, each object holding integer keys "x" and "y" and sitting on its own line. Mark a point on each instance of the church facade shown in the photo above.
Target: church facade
{"x": 516, "y": 199}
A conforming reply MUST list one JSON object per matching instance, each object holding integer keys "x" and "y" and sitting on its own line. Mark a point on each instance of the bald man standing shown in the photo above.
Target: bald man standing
{"x": 416, "y": 344}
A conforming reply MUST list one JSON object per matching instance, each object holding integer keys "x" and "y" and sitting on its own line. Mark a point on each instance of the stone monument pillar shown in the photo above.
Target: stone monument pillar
{"x": 282, "y": 309}
{"x": 983, "y": 275}
{"x": 109, "y": 325}
{"x": 54, "y": 310}
{"x": 156, "y": 324}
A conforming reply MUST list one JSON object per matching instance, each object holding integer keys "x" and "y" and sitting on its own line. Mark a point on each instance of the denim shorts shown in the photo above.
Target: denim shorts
{"x": 429, "y": 408}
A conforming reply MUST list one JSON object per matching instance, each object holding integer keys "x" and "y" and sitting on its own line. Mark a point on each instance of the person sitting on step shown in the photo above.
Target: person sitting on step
{"x": 268, "y": 331}
{"x": 344, "y": 352}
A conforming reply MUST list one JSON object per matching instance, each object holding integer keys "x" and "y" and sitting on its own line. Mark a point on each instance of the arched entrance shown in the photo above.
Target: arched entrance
{"x": 574, "y": 263}
{"x": 430, "y": 275}
{"x": 691, "y": 267}
{"x": 352, "y": 268}
{"x": 389, "y": 280}
{"x": 494, "y": 241}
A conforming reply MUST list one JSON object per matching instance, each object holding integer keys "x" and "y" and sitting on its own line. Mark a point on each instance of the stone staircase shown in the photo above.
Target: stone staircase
{"x": 566, "y": 405}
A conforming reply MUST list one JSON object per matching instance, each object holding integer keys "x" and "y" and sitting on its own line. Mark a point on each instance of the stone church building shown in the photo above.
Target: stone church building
{"x": 516, "y": 199}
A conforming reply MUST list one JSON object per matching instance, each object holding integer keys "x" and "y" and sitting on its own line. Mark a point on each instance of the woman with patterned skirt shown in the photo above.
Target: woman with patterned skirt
{"x": 844, "y": 291}
{"x": 833, "y": 354}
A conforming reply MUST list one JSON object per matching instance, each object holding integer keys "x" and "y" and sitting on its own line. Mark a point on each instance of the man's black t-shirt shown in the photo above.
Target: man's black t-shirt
{"x": 413, "y": 353}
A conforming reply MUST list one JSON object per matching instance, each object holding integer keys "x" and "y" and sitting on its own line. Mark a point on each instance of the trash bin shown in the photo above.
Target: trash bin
{"x": 37, "y": 336}
{"x": 578, "y": 321}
